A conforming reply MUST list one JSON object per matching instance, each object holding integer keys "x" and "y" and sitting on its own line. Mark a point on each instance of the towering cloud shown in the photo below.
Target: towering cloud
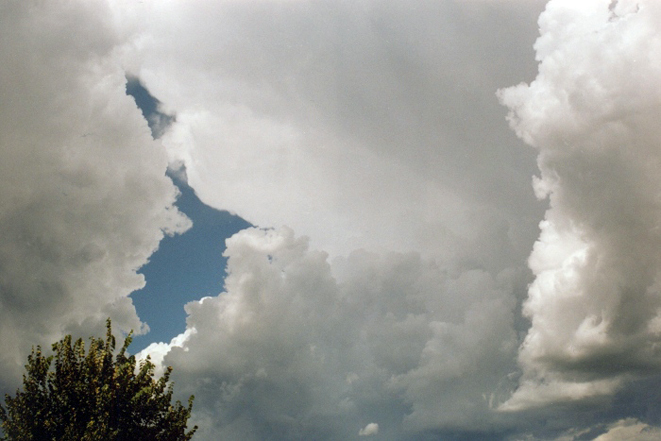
{"x": 390, "y": 308}
{"x": 84, "y": 200}
{"x": 592, "y": 114}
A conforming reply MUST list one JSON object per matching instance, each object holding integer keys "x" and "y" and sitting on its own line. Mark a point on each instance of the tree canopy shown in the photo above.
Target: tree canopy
{"x": 93, "y": 395}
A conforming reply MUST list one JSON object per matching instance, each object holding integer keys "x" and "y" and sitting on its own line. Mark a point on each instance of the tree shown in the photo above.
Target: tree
{"x": 91, "y": 396}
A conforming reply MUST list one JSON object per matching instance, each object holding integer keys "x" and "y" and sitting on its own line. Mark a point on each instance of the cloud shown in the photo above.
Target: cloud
{"x": 373, "y": 129}
{"x": 299, "y": 113}
{"x": 369, "y": 430}
{"x": 290, "y": 351}
{"x": 621, "y": 430}
{"x": 592, "y": 115}
{"x": 84, "y": 200}
{"x": 630, "y": 429}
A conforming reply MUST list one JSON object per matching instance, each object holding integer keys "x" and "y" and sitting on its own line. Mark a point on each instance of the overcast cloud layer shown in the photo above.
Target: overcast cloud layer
{"x": 399, "y": 287}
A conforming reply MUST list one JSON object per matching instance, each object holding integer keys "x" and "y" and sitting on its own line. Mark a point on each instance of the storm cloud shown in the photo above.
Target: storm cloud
{"x": 420, "y": 268}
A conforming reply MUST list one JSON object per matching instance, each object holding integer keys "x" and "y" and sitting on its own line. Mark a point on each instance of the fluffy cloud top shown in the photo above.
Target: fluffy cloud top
{"x": 592, "y": 113}
{"x": 369, "y": 430}
{"x": 291, "y": 352}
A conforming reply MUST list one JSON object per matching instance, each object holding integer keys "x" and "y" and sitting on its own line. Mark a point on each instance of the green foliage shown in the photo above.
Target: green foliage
{"x": 91, "y": 396}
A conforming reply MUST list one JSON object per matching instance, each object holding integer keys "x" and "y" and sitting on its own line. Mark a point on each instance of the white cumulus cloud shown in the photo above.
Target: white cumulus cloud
{"x": 84, "y": 200}
{"x": 292, "y": 350}
{"x": 369, "y": 430}
{"x": 592, "y": 114}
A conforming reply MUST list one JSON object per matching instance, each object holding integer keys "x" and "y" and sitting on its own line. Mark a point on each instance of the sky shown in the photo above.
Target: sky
{"x": 344, "y": 220}
{"x": 185, "y": 266}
